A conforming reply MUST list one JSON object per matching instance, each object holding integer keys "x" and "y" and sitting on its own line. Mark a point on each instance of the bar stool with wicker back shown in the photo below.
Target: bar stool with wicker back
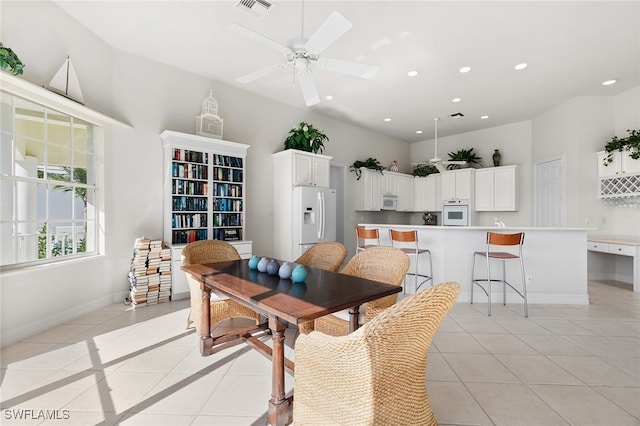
{"x": 502, "y": 240}
{"x": 407, "y": 241}
{"x": 366, "y": 238}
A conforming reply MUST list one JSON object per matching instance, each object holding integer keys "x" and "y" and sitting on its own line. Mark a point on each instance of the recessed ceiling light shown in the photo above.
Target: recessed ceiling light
{"x": 484, "y": 117}
{"x": 418, "y": 131}
{"x": 329, "y": 97}
{"x": 387, "y": 119}
{"x": 413, "y": 73}
{"x": 609, "y": 82}
{"x": 465, "y": 69}
{"x": 520, "y": 66}
{"x": 456, "y": 100}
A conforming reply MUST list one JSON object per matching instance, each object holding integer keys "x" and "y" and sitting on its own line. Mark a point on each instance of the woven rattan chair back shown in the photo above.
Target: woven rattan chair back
{"x": 325, "y": 255}
{"x": 209, "y": 251}
{"x": 385, "y": 264}
{"x": 382, "y": 366}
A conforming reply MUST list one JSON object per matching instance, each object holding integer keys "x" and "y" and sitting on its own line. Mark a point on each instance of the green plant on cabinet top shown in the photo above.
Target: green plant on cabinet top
{"x": 369, "y": 163}
{"x": 464, "y": 155}
{"x": 631, "y": 143}
{"x": 307, "y": 138}
{"x": 9, "y": 61}
{"x": 423, "y": 169}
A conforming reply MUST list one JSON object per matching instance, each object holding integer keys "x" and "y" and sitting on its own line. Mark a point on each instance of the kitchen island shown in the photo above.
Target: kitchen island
{"x": 555, "y": 260}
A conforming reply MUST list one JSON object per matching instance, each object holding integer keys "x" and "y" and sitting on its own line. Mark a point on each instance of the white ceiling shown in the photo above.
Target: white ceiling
{"x": 570, "y": 49}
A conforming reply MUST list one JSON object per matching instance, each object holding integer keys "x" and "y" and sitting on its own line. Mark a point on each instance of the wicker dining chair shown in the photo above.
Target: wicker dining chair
{"x": 385, "y": 264}
{"x": 327, "y": 255}
{"x": 222, "y": 308}
{"x": 377, "y": 374}
{"x": 324, "y": 255}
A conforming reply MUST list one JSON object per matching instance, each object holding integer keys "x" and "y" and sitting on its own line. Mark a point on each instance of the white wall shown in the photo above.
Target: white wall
{"x": 514, "y": 143}
{"x": 580, "y": 128}
{"x": 151, "y": 97}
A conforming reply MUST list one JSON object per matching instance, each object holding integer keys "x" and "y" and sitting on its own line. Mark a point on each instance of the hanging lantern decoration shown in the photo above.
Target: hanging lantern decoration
{"x": 209, "y": 123}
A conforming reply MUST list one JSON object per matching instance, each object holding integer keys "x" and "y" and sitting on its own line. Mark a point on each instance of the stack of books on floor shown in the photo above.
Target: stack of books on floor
{"x": 150, "y": 273}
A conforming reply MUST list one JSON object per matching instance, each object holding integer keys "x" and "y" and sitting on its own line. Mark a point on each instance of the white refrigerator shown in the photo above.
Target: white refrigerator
{"x": 314, "y": 217}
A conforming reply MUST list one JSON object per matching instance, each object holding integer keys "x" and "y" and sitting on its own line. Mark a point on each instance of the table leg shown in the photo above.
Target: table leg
{"x": 280, "y": 412}
{"x": 206, "y": 340}
{"x": 354, "y": 316}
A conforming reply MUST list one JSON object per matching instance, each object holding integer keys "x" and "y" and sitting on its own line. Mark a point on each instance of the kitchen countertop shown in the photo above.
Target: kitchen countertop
{"x": 477, "y": 228}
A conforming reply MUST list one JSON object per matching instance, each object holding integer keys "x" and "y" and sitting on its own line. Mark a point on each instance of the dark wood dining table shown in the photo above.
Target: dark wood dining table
{"x": 281, "y": 302}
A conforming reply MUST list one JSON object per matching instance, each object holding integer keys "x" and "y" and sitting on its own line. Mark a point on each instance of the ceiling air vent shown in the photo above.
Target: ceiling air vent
{"x": 257, "y": 8}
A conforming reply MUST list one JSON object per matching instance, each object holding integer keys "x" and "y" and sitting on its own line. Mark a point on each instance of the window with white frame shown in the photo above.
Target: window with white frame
{"x": 48, "y": 206}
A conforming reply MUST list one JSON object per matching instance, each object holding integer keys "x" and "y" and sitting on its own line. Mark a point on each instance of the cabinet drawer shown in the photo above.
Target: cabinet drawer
{"x": 622, "y": 249}
{"x": 593, "y": 246}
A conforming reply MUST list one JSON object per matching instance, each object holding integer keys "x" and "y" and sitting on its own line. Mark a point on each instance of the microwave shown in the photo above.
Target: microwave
{"x": 389, "y": 202}
{"x": 456, "y": 215}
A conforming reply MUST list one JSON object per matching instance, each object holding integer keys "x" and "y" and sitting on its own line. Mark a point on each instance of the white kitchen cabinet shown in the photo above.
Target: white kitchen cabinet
{"x": 367, "y": 190}
{"x": 622, "y": 164}
{"x": 303, "y": 168}
{"x": 457, "y": 184}
{"x": 427, "y": 194}
{"x": 389, "y": 184}
{"x": 495, "y": 189}
{"x": 405, "y": 192}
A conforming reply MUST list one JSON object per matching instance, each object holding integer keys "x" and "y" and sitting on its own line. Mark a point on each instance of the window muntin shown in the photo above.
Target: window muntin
{"x": 47, "y": 184}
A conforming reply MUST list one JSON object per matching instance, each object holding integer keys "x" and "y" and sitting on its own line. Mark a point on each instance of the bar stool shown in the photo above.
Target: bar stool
{"x": 503, "y": 240}
{"x": 407, "y": 241}
{"x": 363, "y": 236}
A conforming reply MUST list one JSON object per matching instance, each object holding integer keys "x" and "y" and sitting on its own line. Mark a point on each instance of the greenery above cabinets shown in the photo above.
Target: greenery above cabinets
{"x": 307, "y": 138}
{"x": 369, "y": 163}
{"x": 423, "y": 169}
{"x": 631, "y": 144}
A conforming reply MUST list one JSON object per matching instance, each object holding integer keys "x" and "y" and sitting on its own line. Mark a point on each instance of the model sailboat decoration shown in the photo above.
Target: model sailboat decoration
{"x": 65, "y": 83}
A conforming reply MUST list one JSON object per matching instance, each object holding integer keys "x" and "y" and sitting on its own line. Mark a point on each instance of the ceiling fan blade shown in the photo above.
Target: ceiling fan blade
{"x": 309, "y": 89}
{"x": 461, "y": 163}
{"x": 259, "y": 38}
{"x": 345, "y": 67}
{"x": 331, "y": 29}
{"x": 262, "y": 73}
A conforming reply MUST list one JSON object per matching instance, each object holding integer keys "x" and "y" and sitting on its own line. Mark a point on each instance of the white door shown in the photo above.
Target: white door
{"x": 549, "y": 193}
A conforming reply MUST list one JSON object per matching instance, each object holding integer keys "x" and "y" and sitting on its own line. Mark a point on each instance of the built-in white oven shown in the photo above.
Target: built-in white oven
{"x": 456, "y": 215}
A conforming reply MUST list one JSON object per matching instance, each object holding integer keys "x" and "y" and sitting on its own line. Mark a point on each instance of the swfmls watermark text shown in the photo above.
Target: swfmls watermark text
{"x": 35, "y": 414}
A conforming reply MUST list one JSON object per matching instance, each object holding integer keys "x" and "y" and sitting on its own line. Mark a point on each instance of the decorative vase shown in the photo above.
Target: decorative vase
{"x": 496, "y": 158}
{"x": 394, "y": 166}
{"x": 299, "y": 274}
{"x": 285, "y": 270}
{"x": 273, "y": 267}
{"x": 253, "y": 262}
{"x": 262, "y": 265}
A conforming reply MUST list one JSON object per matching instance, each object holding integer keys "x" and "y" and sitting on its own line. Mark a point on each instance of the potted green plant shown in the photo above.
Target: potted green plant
{"x": 423, "y": 169}
{"x": 9, "y": 61}
{"x": 369, "y": 163}
{"x": 305, "y": 137}
{"x": 464, "y": 155}
{"x": 631, "y": 143}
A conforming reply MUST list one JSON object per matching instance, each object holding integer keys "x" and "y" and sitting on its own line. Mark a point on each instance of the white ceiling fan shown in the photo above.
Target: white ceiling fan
{"x": 303, "y": 52}
{"x": 437, "y": 161}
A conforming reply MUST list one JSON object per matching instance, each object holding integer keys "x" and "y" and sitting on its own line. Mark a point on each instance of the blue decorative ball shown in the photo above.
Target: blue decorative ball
{"x": 253, "y": 262}
{"x": 285, "y": 270}
{"x": 273, "y": 267}
{"x": 262, "y": 265}
{"x": 299, "y": 274}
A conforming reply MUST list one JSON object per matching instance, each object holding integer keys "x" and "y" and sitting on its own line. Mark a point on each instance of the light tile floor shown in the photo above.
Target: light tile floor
{"x": 564, "y": 365}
